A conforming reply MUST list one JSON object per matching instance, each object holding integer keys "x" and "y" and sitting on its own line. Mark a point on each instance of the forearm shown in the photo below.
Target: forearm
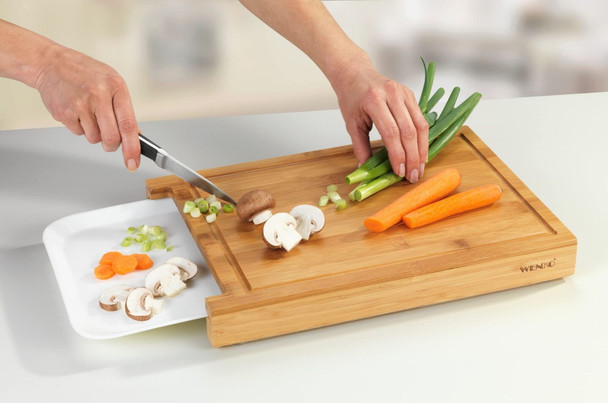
{"x": 309, "y": 26}
{"x": 22, "y": 53}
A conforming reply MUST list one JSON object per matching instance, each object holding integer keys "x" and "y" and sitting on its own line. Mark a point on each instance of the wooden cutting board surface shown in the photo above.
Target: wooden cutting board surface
{"x": 264, "y": 288}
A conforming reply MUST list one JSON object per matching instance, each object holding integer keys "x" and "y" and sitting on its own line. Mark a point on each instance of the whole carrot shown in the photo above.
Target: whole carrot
{"x": 460, "y": 202}
{"x": 432, "y": 189}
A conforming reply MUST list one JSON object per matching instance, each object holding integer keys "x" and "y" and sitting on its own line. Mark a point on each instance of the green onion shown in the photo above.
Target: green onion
{"x": 435, "y": 98}
{"x": 213, "y": 209}
{"x": 228, "y": 208}
{"x": 170, "y": 248}
{"x": 430, "y": 118}
{"x": 442, "y": 124}
{"x": 203, "y": 205}
{"x": 146, "y": 245}
{"x": 210, "y": 218}
{"x": 131, "y": 230}
{"x": 139, "y": 238}
{"x": 351, "y": 195}
{"x": 447, "y": 135}
{"x": 188, "y": 206}
{"x": 198, "y": 200}
{"x": 158, "y": 244}
{"x": 195, "y": 213}
{"x": 127, "y": 241}
{"x": 377, "y": 185}
{"x": 323, "y": 200}
{"x": 333, "y": 196}
{"x": 361, "y": 173}
{"x": 341, "y": 204}
{"x": 451, "y": 102}
{"x": 156, "y": 230}
{"x": 211, "y": 198}
{"x": 429, "y": 75}
{"x": 162, "y": 236}
{"x": 332, "y": 188}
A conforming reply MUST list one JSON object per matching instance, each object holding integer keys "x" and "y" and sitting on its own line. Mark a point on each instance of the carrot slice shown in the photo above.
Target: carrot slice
{"x": 109, "y": 257}
{"x": 434, "y": 188}
{"x": 124, "y": 264}
{"x": 460, "y": 202}
{"x": 104, "y": 271}
{"x": 143, "y": 261}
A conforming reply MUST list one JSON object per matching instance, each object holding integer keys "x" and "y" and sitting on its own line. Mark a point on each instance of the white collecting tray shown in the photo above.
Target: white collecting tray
{"x": 76, "y": 243}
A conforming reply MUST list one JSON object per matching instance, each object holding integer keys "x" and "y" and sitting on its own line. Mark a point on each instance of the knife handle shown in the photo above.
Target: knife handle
{"x": 148, "y": 147}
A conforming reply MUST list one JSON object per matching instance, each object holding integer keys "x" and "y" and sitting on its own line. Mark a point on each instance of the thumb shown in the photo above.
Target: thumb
{"x": 361, "y": 146}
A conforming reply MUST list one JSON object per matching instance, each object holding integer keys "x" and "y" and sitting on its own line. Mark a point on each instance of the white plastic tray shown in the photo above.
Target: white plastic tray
{"x": 76, "y": 243}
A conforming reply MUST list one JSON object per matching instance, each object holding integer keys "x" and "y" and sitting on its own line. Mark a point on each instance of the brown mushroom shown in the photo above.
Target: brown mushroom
{"x": 255, "y": 206}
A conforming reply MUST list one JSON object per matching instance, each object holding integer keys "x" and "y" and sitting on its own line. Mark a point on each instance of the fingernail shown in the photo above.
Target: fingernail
{"x": 414, "y": 176}
{"x": 402, "y": 170}
{"x": 131, "y": 165}
{"x": 421, "y": 170}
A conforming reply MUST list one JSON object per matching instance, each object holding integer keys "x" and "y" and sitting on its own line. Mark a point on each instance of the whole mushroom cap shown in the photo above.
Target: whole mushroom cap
{"x": 254, "y": 202}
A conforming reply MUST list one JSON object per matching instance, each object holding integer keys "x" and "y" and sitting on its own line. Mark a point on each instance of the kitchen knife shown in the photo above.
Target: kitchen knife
{"x": 162, "y": 158}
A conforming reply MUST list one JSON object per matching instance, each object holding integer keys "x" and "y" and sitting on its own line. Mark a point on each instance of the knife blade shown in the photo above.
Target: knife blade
{"x": 162, "y": 158}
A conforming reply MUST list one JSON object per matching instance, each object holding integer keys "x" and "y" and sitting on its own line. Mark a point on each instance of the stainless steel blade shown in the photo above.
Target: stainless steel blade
{"x": 166, "y": 161}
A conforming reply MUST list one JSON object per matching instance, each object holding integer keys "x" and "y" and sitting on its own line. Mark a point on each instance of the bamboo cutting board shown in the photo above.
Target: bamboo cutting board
{"x": 344, "y": 272}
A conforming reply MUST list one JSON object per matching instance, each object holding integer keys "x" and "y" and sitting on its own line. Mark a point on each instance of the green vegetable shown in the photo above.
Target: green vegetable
{"x": 351, "y": 195}
{"x": 377, "y": 185}
{"x": 429, "y": 75}
{"x": 139, "y": 238}
{"x": 158, "y": 244}
{"x": 131, "y": 230}
{"x": 341, "y": 204}
{"x": 213, "y": 209}
{"x": 447, "y": 135}
{"x": 333, "y": 196}
{"x": 332, "y": 188}
{"x": 146, "y": 245}
{"x": 430, "y": 118}
{"x": 195, "y": 213}
{"x": 170, "y": 248}
{"x": 323, "y": 200}
{"x": 435, "y": 98}
{"x": 127, "y": 241}
{"x": 188, "y": 206}
{"x": 451, "y": 102}
{"x": 228, "y": 208}
{"x": 362, "y": 173}
{"x": 203, "y": 205}
{"x": 442, "y": 124}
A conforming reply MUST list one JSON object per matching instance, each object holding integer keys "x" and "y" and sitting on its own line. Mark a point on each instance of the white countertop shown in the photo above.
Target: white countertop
{"x": 542, "y": 343}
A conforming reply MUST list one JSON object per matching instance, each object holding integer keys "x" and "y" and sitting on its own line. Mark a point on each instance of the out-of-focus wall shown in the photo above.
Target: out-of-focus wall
{"x": 192, "y": 58}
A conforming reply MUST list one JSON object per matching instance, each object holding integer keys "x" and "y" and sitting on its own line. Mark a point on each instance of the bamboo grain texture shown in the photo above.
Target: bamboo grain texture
{"x": 346, "y": 273}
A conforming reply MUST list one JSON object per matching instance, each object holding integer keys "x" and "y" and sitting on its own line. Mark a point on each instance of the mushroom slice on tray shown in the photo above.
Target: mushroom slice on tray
{"x": 141, "y": 305}
{"x": 113, "y": 298}
{"x": 187, "y": 268}
{"x": 255, "y": 206}
{"x": 280, "y": 232}
{"x": 309, "y": 220}
{"x": 165, "y": 280}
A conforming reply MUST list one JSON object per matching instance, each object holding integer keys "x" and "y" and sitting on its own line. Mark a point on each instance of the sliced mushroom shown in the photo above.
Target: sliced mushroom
{"x": 280, "y": 232}
{"x": 188, "y": 269}
{"x": 165, "y": 280}
{"x": 256, "y": 206}
{"x": 309, "y": 220}
{"x": 141, "y": 305}
{"x": 113, "y": 298}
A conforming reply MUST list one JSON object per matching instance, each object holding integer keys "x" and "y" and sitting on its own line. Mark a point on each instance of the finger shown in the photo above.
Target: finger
{"x": 422, "y": 128}
{"x": 128, "y": 129}
{"x": 74, "y": 126}
{"x": 389, "y": 131}
{"x": 359, "y": 135}
{"x": 91, "y": 129}
{"x": 110, "y": 138}
{"x": 407, "y": 133}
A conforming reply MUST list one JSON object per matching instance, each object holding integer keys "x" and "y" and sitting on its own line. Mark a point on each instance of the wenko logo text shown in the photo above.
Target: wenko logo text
{"x": 538, "y": 266}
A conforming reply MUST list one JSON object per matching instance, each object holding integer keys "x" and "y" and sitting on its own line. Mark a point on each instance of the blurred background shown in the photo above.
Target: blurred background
{"x": 196, "y": 58}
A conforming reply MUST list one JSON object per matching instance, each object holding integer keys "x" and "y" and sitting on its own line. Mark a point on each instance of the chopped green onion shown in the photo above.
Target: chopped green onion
{"x": 195, "y": 213}
{"x": 211, "y": 198}
{"x": 210, "y": 218}
{"x": 323, "y": 200}
{"x": 213, "y": 210}
{"x": 203, "y": 205}
{"x": 332, "y": 188}
{"x": 217, "y": 204}
{"x": 188, "y": 206}
{"x": 139, "y": 238}
{"x": 146, "y": 245}
{"x": 333, "y": 196}
{"x": 170, "y": 248}
{"x": 341, "y": 204}
{"x": 156, "y": 230}
{"x": 158, "y": 244}
{"x": 228, "y": 208}
{"x": 162, "y": 236}
{"x": 131, "y": 230}
{"x": 127, "y": 241}
{"x": 197, "y": 201}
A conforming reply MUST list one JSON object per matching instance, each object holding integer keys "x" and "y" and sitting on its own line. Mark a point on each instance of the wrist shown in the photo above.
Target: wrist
{"x": 344, "y": 68}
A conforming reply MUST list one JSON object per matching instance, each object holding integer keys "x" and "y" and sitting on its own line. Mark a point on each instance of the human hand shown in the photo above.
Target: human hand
{"x": 367, "y": 97}
{"x": 90, "y": 98}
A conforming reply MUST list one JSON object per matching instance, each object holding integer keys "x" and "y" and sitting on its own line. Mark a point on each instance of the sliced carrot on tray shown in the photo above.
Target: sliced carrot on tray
{"x": 124, "y": 264}
{"x": 458, "y": 203}
{"x": 104, "y": 271}
{"x": 108, "y": 257}
{"x": 432, "y": 189}
{"x": 143, "y": 261}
